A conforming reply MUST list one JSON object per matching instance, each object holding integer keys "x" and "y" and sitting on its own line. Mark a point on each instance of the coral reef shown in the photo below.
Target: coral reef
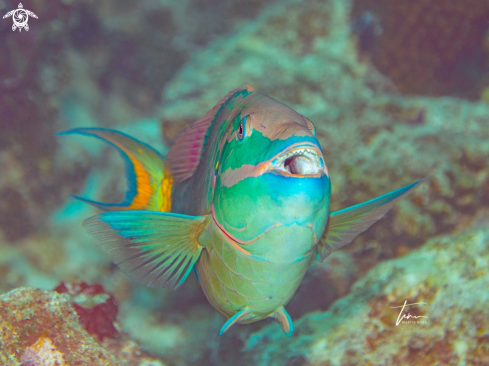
{"x": 96, "y": 309}
{"x": 42, "y": 353}
{"x": 40, "y": 328}
{"x": 431, "y": 47}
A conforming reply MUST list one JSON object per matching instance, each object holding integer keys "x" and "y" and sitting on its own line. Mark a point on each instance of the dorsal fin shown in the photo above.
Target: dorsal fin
{"x": 184, "y": 156}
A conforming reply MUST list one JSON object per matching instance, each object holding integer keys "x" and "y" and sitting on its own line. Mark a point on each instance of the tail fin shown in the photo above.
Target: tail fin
{"x": 149, "y": 182}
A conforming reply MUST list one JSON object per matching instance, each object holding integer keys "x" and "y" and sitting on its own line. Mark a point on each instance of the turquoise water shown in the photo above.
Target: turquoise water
{"x": 397, "y": 91}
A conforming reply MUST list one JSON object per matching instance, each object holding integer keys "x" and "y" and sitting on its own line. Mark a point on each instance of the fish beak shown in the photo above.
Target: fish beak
{"x": 300, "y": 161}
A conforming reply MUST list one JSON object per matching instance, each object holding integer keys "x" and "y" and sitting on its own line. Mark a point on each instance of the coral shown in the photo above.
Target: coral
{"x": 27, "y": 315}
{"x": 431, "y": 47}
{"x": 33, "y": 70}
{"x": 447, "y": 274}
{"x": 96, "y": 309}
{"x": 42, "y": 353}
{"x": 40, "y": 328}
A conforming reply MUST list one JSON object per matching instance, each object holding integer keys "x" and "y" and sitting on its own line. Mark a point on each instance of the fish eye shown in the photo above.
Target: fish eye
{"x": 240, "y": 131}
{"x": 241, "y": 128}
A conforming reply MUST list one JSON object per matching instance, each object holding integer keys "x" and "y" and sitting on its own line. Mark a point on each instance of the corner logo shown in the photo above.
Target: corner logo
{"x": 405, "y": 318}
{"x": 20, "y": 17}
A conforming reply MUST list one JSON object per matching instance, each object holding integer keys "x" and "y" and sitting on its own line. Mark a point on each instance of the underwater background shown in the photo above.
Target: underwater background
{"x": 398, "y": 91}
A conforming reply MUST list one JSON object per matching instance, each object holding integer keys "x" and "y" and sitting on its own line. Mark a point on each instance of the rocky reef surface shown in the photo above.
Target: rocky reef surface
{"x": 151, "y": 68}
{"x": 41, "y": 328}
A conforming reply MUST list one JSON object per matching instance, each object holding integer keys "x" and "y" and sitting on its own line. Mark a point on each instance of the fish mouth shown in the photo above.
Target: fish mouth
{"x": 303, "y": 160}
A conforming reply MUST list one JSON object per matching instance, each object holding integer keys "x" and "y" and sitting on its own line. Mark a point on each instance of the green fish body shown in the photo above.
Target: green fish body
{"x": 242, "y": 197}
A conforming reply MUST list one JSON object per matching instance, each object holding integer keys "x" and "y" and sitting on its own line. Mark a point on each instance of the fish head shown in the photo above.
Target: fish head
{"x": 271, "y": 183}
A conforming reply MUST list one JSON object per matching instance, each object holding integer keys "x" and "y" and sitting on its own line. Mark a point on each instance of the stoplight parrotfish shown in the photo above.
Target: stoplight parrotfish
{"x": 242, "y": 197}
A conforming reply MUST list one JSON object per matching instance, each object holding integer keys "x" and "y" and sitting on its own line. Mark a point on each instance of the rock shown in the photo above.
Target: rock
{"x": 40, "y": 328}
{"x": 44, "y": 353}
{"x": 428, "y": 47}
{"x": 96, "y": 309}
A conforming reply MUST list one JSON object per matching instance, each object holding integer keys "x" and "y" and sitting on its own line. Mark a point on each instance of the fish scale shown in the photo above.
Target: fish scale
{"x": 247, "y": 290}
{"x": 242, "y": 197}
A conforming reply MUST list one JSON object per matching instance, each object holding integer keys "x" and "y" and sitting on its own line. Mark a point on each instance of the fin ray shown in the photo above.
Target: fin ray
{"x": 149, "y": 182}
{"x": 155, "y": 249}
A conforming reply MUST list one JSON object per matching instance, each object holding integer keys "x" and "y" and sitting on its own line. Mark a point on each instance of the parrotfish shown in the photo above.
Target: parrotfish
{"x": 242, "y": 197}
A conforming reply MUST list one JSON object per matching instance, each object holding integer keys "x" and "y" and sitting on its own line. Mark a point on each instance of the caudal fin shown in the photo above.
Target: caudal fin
{"x": 149, "y": 181}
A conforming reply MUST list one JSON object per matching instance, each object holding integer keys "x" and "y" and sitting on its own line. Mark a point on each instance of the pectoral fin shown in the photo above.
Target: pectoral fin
{"x": 345, "y": 225}
{"x": 153, "y": 248}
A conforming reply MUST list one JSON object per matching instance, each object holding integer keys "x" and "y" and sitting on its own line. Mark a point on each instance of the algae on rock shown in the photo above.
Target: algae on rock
{"x": 37, "y": 326}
